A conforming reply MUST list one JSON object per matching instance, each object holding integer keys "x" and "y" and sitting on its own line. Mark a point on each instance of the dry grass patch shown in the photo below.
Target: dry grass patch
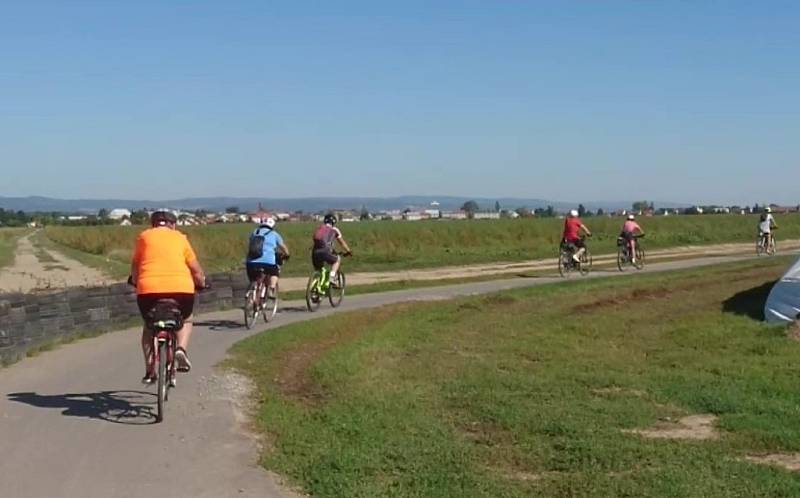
{"x": 697, "y": 427}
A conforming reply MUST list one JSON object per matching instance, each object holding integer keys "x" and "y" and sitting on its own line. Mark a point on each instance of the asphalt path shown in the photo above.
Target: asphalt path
{"x": 76, "y": 423}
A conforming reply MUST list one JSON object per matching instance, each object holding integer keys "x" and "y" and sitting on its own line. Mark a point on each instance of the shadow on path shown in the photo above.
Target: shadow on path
{"x": 220, "y": 324}
{"x": 749, "y": 302}
{"x": 119, "y": 407}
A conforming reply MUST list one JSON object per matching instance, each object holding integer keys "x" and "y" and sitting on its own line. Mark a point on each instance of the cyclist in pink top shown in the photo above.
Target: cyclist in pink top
{"x": 629, "y": 232}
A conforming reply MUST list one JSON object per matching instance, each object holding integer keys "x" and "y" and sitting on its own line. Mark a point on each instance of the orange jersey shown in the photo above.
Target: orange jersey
{"x": 162, "y": 256}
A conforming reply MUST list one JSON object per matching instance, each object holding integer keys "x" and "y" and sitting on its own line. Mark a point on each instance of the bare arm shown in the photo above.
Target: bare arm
{"x": 198, "y": 275}
{"x": 344, "y": 245}
{"x": 586, "y": 230}
{"x": 284, "y": 249}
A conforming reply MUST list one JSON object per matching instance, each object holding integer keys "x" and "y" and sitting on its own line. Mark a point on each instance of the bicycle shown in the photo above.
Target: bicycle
{"x": 319, "y": 285}
{"x": 257, "y": 299}
{"x": 165, "y": 320}
{"x": 624, "y": 253}
{"x": 765, "y": 244}
{"x": 567, "y": 264}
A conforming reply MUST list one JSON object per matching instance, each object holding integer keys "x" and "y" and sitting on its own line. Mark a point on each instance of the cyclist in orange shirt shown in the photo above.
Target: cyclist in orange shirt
{"x": 164, "y": 266}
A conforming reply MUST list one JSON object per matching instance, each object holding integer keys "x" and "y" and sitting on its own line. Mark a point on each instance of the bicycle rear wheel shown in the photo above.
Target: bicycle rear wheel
{"x": 313, "y": 298}
{"x": 270, "y": 306}
{"x": 759, "y": 246}
{"x": 336, "y": 292}
{"x": 772, "y": 246}
{"x": 251, "y": 305}
{"x": 564, "y": 266}
{"x": 621, "y": 259}
{"x": 163, "y": 382}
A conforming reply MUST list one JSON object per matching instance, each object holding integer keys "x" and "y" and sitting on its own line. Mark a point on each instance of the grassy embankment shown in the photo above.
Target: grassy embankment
{"x": 529, "y": 392}
{"x": 8, "y": 244}
{"x": 386, "y": 246}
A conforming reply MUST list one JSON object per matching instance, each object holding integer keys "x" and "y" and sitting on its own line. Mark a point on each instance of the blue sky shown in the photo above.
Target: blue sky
{"x": 682, "y": 101}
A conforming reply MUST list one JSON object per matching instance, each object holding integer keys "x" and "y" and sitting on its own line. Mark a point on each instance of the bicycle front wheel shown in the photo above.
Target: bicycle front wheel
{"x": 161, "y": 361}
{"x": 772, "y": 246}
{"x": 639, "y": 264}
{"x": 586, "y": 262}
{"x": 336, "y": 290}
{"x": 313, "y": 298}
{"x": 564, "y": 263}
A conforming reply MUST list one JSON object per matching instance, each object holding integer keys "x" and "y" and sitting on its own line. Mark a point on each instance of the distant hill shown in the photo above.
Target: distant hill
{"x": 308, "y": 204}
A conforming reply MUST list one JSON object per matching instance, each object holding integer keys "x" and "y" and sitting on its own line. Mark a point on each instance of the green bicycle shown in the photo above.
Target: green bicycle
{"x": 320, "y": 286}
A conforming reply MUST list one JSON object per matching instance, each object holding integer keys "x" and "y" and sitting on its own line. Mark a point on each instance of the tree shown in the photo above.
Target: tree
{"x": 496, "y": 206}
{"x": 640, "y": 205}
{"x": 140, "y": 217}
{"x": 523, "y": 212}
{"x": 581, "y": 210}
{"x": 550, "y": 211}
{"x": 364, "y": 213}
{"x": 102, "y": 214}
{"x": 232, "y": 210}
{"x": 470, "y": 207}
{"x": 600, "y": 212}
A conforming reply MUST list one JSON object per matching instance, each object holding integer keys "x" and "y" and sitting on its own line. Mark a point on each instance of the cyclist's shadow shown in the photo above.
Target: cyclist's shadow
{"x": 119, "y": 407}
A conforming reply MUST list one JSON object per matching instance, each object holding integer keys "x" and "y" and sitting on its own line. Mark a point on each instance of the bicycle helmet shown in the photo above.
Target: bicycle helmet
{"x": 268, "y": 222}
{"x": 631, "y": 217}
{"x": 330, "y": 219}
{"x": 767, "y": 209}
{"x": 163, "y": 217}
{"x": 573, "y": 213}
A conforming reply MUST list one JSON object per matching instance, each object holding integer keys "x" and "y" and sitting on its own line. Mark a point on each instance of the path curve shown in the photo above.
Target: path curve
{"x": 75, "y": 423}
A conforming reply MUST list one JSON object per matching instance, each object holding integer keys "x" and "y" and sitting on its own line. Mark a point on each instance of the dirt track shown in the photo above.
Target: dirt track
{"x": 29, "y": 273}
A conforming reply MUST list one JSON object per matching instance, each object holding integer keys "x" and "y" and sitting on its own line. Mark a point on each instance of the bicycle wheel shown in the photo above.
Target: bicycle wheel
{"x": 772, "y": 246}
{"x": 270, "y": 306}
{"x": 336, "y": 292}
{"x": 313, "y": 298}
{"x": 585, "y": 265}
{"x": 639, "y": 264}
{"x": 564, "y": 265}
{"x": 759, "y": 246}
{"x": 251, "y": 305}
{"x": 621, "y": 259}
{"x": 161, "y": 361}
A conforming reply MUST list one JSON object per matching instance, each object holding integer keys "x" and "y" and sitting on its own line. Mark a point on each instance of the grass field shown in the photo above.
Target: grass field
{"x": 399, "y": 245}
{"x": 8, "y": 243}
{"x": 530, "y": 392}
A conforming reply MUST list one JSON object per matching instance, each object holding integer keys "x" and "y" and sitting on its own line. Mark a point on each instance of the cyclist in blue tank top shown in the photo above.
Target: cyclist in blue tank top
{"x": 267, "y": 251}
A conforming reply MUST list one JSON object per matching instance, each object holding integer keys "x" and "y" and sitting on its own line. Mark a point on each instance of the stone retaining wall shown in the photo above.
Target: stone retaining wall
{"x": 28, "y": 321}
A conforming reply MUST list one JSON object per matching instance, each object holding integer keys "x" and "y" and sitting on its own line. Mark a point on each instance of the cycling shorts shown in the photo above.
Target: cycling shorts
{"x": 146, "y": 302}
{"x": 253, "y": 269}
{"x": 321, "y": 256}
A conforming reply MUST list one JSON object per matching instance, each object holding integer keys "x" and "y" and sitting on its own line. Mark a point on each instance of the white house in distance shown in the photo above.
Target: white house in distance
{"x": 119, "y": 213}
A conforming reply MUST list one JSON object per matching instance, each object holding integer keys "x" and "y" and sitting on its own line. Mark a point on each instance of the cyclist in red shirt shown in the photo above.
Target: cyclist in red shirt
{"x": 573, "y": 226}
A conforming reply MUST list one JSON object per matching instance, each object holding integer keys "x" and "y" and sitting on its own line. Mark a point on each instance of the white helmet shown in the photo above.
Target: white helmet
{"x": 631, "y": 217}
{"x": 268, "y": 222}
{"x": 573, "y": 213}
{"x": 768, "y": 209}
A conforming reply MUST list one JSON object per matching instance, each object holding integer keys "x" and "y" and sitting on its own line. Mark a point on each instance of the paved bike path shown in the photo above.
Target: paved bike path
{"x": 75, "y": 422}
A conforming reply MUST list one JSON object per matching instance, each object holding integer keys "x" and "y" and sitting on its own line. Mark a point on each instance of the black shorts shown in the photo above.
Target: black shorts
{"x": 146, "y": 302}
{"x": 579, "y": 243}
{"x": 321, "y": 256}
{"x": 254, "y": 269}
{"x": 628, "y": 236}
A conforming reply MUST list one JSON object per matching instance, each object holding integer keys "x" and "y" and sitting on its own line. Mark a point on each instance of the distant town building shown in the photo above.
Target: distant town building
{"x": 119, "y": 213}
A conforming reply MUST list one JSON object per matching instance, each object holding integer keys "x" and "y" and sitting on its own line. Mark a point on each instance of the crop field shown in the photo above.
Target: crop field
{"x": 385, "y": 245}
{"x": 659, "y": 385}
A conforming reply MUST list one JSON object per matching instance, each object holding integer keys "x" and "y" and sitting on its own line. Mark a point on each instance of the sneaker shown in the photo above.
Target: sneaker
{"x": 271, "y": 292}
{"x": 173, "y": 382}
{"x": 576, "y": 258}
{"x": 149, "y": 378}
{"x": 182, "y": 363}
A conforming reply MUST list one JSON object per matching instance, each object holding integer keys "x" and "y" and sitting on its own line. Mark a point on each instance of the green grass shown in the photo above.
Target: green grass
{"x": 384, "y": 245}
{"x": 8, "y": 244}
{"x": 527, "y": 392}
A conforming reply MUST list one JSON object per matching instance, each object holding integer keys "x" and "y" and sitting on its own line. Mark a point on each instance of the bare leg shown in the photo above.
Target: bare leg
{"x": 147, "y": 348}
{"x": 633, "y": 250}
{"x": 335, "y": 266}
{"x": 185, "y": 333}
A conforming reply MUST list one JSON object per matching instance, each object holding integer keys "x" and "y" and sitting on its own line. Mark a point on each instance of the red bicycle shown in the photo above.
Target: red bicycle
{"x": 165, "y": 321}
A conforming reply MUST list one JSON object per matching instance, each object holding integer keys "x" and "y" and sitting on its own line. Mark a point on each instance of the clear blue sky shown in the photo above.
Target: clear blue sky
{"x": 597, "y": 100}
